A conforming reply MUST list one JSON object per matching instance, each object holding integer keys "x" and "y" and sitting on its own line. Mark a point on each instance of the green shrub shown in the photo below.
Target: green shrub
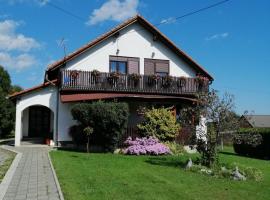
{"x": 254, "y": 142}
{"x": 160, "y": 123}
{"x": 108, "y": 120}
{"x": 76, "y": 133}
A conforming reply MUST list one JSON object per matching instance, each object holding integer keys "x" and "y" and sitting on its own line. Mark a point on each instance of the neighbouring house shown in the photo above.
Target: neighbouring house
{"x": 136, "y": 63}
{"x": 255, "y": 121}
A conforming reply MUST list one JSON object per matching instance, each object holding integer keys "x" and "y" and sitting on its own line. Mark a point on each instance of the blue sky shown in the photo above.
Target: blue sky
{"x": 231, "y": 41}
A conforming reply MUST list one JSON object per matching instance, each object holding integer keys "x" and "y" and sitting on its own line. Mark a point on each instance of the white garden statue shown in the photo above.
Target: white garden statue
{"x": 201, "y": 130}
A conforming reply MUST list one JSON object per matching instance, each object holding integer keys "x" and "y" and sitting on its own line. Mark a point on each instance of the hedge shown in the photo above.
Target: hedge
{"x": 253, "y": 142}
{"x": 108, "y": 119}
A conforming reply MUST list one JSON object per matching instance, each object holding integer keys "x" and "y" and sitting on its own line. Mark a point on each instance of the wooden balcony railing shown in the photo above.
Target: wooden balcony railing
{"x": 151, "y": 84}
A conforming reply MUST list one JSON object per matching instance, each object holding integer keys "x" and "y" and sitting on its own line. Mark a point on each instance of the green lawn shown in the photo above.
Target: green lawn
{"x": 6, "y": 158}
{"x": 107, "y": 176}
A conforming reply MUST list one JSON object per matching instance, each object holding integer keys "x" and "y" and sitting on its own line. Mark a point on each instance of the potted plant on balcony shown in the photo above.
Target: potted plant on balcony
{"x": 153, "y": 79}
{"x": 135, "y": 78}
{"x": 74, "y": 77}
{"x": 182, "y": 81}
{"x": 201, "y": 81}
{"x": 167, "y": 81}
{"x": 95, "y": 76}
{"x": 113, "y": 77}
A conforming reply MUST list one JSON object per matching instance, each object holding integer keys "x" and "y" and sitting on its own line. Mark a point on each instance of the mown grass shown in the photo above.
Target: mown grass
{"x": 4, "y": 166}
{"x": 107, "y": 176}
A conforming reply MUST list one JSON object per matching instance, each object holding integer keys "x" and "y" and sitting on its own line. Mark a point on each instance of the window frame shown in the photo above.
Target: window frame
{"x": 126, "y": 59}
{"x": 117, "y": 66}
{"x": 155, "y": 61}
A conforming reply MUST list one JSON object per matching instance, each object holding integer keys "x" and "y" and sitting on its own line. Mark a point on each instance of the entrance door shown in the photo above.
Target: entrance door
{"x": 39, "y": 121}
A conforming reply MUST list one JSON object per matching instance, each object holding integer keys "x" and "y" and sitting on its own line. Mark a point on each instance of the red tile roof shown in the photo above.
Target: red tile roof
{"x": 130, "y": 21}
{"x": 43, "y": 85}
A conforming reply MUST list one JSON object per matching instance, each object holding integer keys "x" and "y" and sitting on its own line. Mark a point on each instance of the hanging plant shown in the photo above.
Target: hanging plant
{"x": 134, "y": 78}
{"x": 95, "y": 76}
{"x": 153, "y": 79}
{"x": 74, "y": 75}
{"x": 167, "y": 81}
{"x": 113, "y": 77}
{"x": 182, "y": 81}
{"x": 95, "y": 73}
{"x": 201, "y": 80}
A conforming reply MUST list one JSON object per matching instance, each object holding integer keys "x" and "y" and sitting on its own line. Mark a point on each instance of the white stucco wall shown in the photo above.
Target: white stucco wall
{"x": 25, "y": 124}
{"x": 45, "y": 97}
{"x": 65, "y": 121}
{"x": 134, "y": 41}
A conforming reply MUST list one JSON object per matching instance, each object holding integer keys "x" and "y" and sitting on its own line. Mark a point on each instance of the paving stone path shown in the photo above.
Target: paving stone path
{"x": 33, "y": 178}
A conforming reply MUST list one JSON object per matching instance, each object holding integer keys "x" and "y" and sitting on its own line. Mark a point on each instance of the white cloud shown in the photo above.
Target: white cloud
{"x": 19, "y": 62}
{"x": 115, "y": 10}
{"x": 217, "y": 36}
{"x": 10, "y": 40}
{"x": 169, "y": 20}
{"x": 43, "y": 2}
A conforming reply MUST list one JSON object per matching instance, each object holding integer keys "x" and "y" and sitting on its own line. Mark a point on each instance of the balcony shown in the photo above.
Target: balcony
{"x": 94, "y": 81}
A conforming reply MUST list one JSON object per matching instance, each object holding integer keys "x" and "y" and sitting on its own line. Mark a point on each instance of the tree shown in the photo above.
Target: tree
{"x": 7, "y": 115}
{"x": 5, "y": 82}
{"x": 220, "y": 117}
{"x": 160, "y": 123}
{"x": 15, "y": 88}
{"x": 88, "y": 131}
{"x": 7, "y": 108}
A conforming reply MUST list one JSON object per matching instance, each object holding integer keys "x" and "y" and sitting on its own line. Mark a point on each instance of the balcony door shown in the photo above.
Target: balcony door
{"x": 156, "y": 66}
{"x": 124, "y": 65}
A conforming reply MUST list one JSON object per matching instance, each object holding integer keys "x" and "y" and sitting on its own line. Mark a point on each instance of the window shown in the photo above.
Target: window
{"x": 118, "y": 66}
{"x": 154, "y": 66}
{"x": 124, "y": 65}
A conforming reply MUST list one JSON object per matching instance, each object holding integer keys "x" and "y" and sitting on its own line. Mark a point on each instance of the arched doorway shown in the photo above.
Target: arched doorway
{"x": 37, "y": 123}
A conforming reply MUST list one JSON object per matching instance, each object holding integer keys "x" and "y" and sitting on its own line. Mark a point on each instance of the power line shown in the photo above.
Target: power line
{"x": 65, "y": 11}
{"x": 157, "y": 24}
{"x": 194, "y": 12}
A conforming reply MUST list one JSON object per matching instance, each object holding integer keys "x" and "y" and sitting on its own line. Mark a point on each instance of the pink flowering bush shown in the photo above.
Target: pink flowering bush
{"x": 145, "y": 146}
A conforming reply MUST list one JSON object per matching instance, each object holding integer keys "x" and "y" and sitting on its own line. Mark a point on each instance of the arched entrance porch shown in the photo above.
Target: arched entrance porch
{"x": 37, "y": 124}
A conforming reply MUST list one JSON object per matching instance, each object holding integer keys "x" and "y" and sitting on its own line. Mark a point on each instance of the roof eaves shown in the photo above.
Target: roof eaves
{"x": 43, "y": 85}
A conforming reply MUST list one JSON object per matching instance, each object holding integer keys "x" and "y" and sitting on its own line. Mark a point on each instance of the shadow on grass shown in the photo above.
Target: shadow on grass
{"x": 7, "y": 142}
{"x": 167, "y": 161}
{"x": 228, "y": 153}
{"x": 71, "y": 149}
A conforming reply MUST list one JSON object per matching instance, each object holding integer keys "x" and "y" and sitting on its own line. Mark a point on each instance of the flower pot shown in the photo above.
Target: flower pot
{"x": 47, "y": 141}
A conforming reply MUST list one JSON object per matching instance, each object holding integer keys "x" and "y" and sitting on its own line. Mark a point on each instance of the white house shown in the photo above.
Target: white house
{"x": 168, "y": 77}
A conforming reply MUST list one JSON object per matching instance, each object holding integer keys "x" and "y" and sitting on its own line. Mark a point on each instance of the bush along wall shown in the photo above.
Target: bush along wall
{"x": 108, "y": 120}
{"x": 253, "y": 142}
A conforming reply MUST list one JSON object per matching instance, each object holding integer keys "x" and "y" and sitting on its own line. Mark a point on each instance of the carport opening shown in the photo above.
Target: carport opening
{"x": 37, "y": 123}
